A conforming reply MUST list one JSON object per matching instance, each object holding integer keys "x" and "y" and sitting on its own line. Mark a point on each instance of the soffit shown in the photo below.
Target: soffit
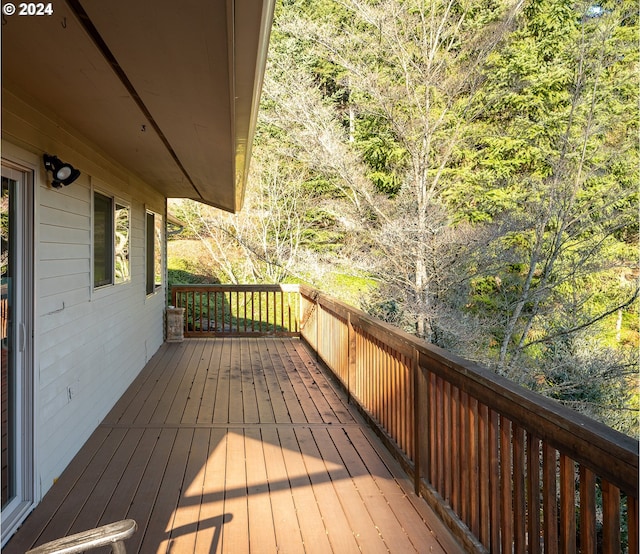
{"x": 167, "y": 89}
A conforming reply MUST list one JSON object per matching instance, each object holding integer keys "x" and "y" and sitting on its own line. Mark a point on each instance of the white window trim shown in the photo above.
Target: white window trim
{"x": 116, "y": 200}
{"x": 157, "y": 288}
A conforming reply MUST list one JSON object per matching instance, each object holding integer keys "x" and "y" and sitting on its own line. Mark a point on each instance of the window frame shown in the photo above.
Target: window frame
{"x": 109, "y": 262}
{"x": 154, "y": 251}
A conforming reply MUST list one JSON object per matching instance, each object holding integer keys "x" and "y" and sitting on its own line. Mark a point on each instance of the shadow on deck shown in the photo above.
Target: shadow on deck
{"x": 238, "y": 445}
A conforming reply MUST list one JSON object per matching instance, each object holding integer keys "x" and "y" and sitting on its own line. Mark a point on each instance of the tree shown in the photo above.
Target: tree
{"x": 502, "y": 136}
{"x": 561, "y": 92}
{"x": 413, "y": 68}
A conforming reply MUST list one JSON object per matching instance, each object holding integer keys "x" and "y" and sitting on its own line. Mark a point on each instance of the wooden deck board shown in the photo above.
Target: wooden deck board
{"x": 314, "y": 372}
{"x": 380, "y": 511}
{"x": 285, "y": 517}
{"x": 249, "y": 393}
{"x": 185, "y": 521}
{"x": 397, "y": 489}
{"x": 146, "y": 494}
{"x": 237, "y": 445}
{"x": 263, "y": 399}
{"x": 262, "y": 535}
{"x": 157, "y": 534}
{"x": 72, "y": 504}
{"x": 312, "y": 527}
{"x": 185, "y": 388}
{"x": 276, "y": 395}
{"x": 292, "y": 380}
{"x": 223, "y": 388}
{"x": 196, "y": 395}
{"x": 358, "y": 517}
{"x": 124, "y": 495}
{"x": 207, "y": 402}
{"x": 315, "y": 406}
{"x": 294, "y": 409}
{"x": 96, "y": 503}
{"x": 236, "y": 396}
{"x": 235, "y": 534}
{"x": 145, "y": 403}
{"x": 213, "y": 516}
{"x": 339, "y": 532}
{"x": 41, "y": 518}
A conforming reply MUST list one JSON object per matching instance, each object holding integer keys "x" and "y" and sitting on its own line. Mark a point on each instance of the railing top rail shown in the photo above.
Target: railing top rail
{"x": 605, "y": 451}
{"x": 237, "y": 288}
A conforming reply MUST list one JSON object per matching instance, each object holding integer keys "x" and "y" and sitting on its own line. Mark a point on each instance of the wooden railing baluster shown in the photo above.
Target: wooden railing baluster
{"x": 474, "y": 493}
{"x": 433, "y": 438}
{"x": 456, "y": 451}
{"x": 449, "y": 446}
{"x": 484, "y": 475}
{"x": 519, "y": 500}
{"x": 611, "y": 518}
{"x": 506, "y": 485}
{"x": 588, "y": 539}
{"x": 533, "y": 493}
{"x": 465, "y": 444}
{"x": 550, "y": 502}
{"x": 632, "y": 523}
{"x": 567, "y": 505}
{"x": 494, "y": 475}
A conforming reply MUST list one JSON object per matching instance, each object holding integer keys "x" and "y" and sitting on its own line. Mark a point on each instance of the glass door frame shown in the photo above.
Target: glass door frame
{"x": 17, "y": 508}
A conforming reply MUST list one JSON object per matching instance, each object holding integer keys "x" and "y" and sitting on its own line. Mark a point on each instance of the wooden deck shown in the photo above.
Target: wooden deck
{"x": 237, "y": 445}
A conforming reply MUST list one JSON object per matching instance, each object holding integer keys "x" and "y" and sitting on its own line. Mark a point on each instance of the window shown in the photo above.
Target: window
{"x": 111, "y": 235}
{"x": 154, "y": 232}
{"x": 102, "y": 240}
{"x": 122, "y": 217}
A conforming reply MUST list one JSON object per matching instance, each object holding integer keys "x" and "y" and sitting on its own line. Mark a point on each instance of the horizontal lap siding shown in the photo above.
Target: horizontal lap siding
{"x": 89, "y": 345}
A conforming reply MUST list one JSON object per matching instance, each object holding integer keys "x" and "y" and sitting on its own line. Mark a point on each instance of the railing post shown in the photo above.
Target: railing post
{"x": 351, "y": 356}
{"x": 301, "y": 320}
{"x": 317, "y": 329}
{"x": 416, "y": 420}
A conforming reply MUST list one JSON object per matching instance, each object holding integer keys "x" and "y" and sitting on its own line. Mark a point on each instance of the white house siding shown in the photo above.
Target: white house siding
{"x": 89, "y": 344}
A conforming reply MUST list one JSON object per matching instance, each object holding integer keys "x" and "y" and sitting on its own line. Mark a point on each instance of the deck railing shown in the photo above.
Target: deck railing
{"x": 507, "y": 469}
{"x": 240, "y": 310}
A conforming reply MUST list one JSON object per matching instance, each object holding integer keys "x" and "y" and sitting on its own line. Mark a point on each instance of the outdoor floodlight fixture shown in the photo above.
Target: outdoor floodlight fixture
{"x": 63, "y": 173}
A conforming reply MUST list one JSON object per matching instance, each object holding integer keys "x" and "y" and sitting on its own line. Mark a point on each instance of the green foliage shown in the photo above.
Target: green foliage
{"x": 382, "y": 153}
{"x": 186, "y": 271}
{"x": 481, "y": 162}
{"x": 573, "y": 366}
{"x": 322, "y": 186}
{"x": 321, "y": 233}
{"x": 181, "y": 277}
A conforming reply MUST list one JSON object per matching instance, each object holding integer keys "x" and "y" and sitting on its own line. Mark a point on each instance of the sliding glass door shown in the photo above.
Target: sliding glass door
{"x": 16, "y": 286}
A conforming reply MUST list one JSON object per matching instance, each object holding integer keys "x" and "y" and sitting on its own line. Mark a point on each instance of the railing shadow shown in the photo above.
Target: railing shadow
{"x": 214, "y": 522}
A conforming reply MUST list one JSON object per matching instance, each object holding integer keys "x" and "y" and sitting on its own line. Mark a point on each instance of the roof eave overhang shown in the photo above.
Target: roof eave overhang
{"x": 246, "y": 78}
{"x": 170, "y": 92}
